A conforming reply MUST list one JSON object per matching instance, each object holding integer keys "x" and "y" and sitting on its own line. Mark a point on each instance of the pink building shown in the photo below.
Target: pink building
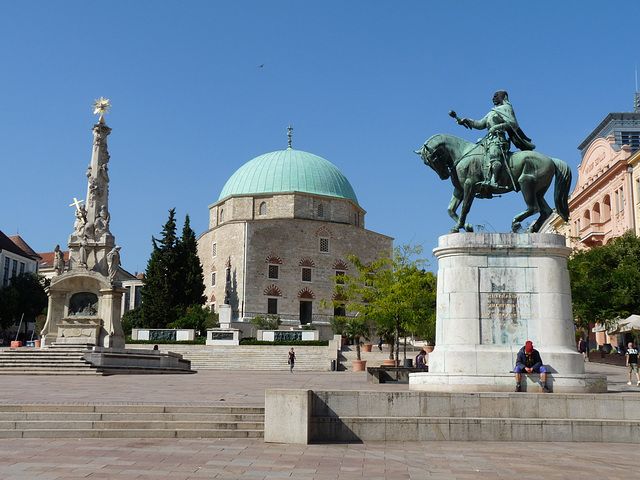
{"x": 604, "y": 202}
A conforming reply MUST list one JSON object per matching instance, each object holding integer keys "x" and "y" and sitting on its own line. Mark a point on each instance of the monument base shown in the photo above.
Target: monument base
{"x": 495, "y": 292}
{"x": 505, "y": 382}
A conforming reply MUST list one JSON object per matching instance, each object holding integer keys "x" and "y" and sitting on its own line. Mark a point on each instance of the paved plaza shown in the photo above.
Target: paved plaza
{"x": 253, "y": 459}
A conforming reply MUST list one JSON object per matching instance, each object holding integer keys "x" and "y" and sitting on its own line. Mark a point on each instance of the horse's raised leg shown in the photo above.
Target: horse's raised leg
{"x": 527, "y": 184}
{"x": 456, "y": 199}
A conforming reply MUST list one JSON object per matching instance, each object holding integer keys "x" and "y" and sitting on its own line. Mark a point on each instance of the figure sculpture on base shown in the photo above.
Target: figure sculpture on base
{"x": 468, "y": 164}
{"x": 499, "y": 121}
{"x": 113, "y": 261}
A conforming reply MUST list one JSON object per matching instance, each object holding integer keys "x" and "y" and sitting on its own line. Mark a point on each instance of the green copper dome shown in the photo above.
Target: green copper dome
{"x": 289, "y": 171}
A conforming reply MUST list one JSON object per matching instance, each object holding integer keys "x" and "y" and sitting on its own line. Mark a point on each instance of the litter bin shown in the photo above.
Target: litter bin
{"x": 333, "y": 365}
{"x": 408, "y": 362}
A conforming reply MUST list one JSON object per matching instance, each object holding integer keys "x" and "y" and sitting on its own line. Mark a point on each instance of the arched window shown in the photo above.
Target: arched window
{"x": 596, "y": 213}
{"x": 587, "y": 218}
{"x": 321, "y": 211}
{"x": 221, "y": 215}
{"x": 263, "y": 208}
{"x": 606, "y": 209}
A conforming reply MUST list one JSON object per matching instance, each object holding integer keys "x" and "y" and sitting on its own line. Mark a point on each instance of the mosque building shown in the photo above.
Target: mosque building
{"x": 278, "y": 236}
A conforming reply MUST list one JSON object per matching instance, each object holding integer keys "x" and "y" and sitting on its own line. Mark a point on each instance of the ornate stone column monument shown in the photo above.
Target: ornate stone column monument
{"x": 85, "y": 301}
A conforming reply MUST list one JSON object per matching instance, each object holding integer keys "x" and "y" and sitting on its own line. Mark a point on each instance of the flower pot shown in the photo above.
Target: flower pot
{"x": 429, "y": 348}
{"x": 366, "y": 347}
{"x": 359, "y": 365}
{"x": 390, "y": 363}
{"x": 15, "y": 344}
{"x": 37, "y": 343}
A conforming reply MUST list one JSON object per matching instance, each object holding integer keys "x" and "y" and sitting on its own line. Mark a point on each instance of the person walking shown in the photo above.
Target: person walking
{"x": 632, "y": 362}
{"x": 291, "y": 359}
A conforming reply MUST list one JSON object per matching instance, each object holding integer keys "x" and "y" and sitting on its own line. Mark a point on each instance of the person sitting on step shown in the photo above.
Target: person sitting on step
{"x": 529, "y": 361}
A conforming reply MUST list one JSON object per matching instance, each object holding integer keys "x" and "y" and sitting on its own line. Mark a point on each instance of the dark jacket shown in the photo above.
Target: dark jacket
{"x": 522, "y": 359}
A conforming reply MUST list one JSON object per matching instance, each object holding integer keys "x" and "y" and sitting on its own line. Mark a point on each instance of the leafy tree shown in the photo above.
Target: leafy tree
{"x": 394, "y": 291}
{"x": 270, "y": 322}
{"x": 197, "y": 318}
{"x": 356, "y": 328}
{"x": 26, "y": 295}
{"x": 174, "y": 280}
{"x": 132, "y": 319}
{"x": 605, "y": 282}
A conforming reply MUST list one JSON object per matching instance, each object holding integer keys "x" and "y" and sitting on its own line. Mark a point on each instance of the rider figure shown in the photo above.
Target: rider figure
{"x": 499, "y": 121}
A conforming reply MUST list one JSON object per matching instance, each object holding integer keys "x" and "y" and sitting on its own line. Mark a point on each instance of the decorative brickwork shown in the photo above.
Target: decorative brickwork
{"x": 324, "y": 232}
{"x": 307, "y": 262}
{"x": 273, "y": 291}
{"x": 274, "y": 259}
{"x": 340, "y": 265}
{"x": 306, "y": 293}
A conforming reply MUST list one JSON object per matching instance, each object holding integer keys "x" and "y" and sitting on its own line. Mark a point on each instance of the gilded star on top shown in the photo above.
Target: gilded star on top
{"x": 101, "y": 106}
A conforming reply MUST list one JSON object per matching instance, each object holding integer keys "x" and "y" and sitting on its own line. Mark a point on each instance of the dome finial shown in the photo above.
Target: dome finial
{"x": 289, "y": 134}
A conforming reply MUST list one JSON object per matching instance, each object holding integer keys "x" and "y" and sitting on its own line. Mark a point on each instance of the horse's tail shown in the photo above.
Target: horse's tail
{"x": 561, "y": 191}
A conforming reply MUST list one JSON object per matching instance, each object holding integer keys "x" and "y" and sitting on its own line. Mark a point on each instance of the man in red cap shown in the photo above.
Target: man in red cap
{"x": 529, "y": 361}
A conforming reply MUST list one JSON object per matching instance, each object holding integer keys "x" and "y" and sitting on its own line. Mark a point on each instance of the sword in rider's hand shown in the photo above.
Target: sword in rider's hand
{"x": 454, "y": 115}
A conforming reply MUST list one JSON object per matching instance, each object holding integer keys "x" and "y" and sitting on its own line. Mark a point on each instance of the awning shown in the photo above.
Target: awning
{"x": 631, "y": 323}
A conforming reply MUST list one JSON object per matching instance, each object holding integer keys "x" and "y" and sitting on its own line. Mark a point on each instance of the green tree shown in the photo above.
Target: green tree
{"x": 189, "y": 268}
{"x": 26, "y": 295}
{"x": 132, "y": 319}
{"x": 356, "y": 328}
{"x": 394, "y": 291}
{"x": 605, "y": 282}
{"x": 174, "y": 281}
{"x": 197, "y": 318}
{"x": 160, "y": 279}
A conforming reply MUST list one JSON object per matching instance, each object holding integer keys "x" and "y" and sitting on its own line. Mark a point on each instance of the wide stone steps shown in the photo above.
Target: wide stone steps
{"x": 249, "y": 357}
{"x": 130, "y": 421}
{"x": 64, "y": 361}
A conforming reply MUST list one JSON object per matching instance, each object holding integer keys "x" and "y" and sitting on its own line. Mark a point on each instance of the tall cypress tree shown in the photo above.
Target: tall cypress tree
{"x": 191, "y": 276}
{"x": 159, "y": 293}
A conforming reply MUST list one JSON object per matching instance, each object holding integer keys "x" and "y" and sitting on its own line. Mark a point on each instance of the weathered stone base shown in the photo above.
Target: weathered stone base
{"x": 478, "y": 382}
{"x": 359, "y": 416}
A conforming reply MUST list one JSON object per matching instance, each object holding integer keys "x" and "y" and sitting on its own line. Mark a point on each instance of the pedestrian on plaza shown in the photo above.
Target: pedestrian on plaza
{"x": 632, "y": 362}
{"x": 380, "y": 342}
{"x": 291, "y": 359}
{"x": 582, "y": 348}
{"x": 529, "y": 361}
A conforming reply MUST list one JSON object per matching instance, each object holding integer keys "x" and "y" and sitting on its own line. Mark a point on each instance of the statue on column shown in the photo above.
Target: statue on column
{"x": 113, "y": 261}
{"x": 58, "y": 261}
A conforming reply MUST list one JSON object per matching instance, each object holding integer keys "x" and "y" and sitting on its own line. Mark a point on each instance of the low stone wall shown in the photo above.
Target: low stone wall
{"x": 351, "y": 416}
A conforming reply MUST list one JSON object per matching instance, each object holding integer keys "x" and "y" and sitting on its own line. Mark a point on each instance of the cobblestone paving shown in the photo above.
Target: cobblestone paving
{"x": 253, "y": 459}
{"x": 125, "y": 459}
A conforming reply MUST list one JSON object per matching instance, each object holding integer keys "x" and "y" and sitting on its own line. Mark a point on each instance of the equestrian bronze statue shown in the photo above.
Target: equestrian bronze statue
{"x": 488, "y": 168}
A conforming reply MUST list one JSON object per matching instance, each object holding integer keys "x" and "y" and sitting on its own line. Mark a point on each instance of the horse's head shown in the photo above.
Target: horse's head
{"x": 431, "y": 157}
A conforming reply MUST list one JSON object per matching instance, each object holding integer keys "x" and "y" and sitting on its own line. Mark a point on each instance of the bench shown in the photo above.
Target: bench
{"x": 392, "y": 374}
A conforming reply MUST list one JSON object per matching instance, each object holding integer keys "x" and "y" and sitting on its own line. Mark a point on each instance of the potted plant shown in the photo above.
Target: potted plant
{"x": 356, "y": 328}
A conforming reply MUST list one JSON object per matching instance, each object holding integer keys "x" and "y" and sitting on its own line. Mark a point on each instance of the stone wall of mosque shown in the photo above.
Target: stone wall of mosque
{"x": 288, "y": 260}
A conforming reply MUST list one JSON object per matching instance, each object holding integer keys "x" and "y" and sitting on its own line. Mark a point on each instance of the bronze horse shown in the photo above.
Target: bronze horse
{"x": 531, "y": 172}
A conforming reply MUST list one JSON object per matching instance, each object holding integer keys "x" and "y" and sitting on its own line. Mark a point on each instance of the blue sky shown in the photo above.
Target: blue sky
{"x": 363, "y": 83}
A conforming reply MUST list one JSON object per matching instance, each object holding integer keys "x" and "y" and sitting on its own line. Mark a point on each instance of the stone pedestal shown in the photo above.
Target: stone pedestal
{"x": 495, "y": 292}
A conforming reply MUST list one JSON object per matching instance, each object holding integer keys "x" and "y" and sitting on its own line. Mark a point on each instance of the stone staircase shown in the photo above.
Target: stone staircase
{"x": 130, "y": 421}
{"x": 248, "y": 357}
{"x": 50, "y": 361}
